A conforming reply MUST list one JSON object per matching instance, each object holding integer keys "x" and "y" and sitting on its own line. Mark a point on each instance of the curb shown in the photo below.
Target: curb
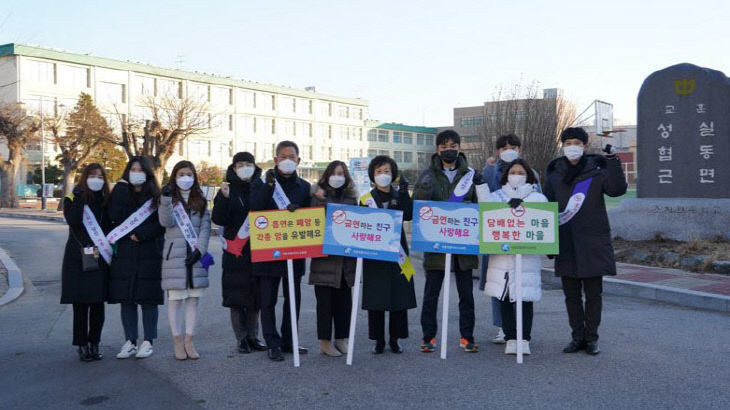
{"x": 15, "y": 279}
{"x": 660, "y": 293}
{"x": 36, "y": 217}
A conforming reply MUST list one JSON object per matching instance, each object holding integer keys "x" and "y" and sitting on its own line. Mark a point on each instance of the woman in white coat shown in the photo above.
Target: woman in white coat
{"x": 518, "y": 185}
{"x": 184, "y": 277}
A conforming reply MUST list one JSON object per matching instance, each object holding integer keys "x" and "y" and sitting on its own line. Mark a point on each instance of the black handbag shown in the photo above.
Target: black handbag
{"x": 89, "y": 256}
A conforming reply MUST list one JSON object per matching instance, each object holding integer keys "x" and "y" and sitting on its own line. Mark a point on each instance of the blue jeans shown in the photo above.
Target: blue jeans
{"x": 496, "y": 304}
{"x": 130, "y": 320}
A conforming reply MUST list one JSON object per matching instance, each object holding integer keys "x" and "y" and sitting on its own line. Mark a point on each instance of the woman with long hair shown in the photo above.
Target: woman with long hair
{"x": 184, "y": 214}
{"x": 334, "y": 275}
{"x": 85, "y": 285}
{"x": 137, "y": 261}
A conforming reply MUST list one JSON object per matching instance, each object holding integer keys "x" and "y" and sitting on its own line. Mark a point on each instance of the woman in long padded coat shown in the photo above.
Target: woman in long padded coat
{"x": 183, "y": 276}
{"x": 334, "y": 275}
{"x": 384, "y": 286}
{"x": 239, "y": 285}
{"x": 87, "y": 291}
{"x": 135, "y": 274}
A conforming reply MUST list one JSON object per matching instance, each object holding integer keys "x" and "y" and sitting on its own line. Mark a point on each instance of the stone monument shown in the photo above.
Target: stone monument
{"x": 683, "y": 158}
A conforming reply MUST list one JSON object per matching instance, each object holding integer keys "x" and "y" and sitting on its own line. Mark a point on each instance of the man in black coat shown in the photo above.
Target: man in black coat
{"x": 271, "y": 273}
{"x": 578, "y": 183}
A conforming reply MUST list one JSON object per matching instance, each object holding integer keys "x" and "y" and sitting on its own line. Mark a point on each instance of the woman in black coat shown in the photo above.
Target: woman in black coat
{"x": 334, "y": 275}
{"x": 137, "y": 263}
{"x": 384, "y": 286}
{"x": 586, "y": 253}
{"x": 239, "y": 285}
{"x": 85, "y": 290}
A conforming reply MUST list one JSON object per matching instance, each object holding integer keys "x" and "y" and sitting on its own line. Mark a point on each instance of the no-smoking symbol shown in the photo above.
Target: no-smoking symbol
{"x": 518, "y": 212}
{"x": 339, "y": 216}
{"x": 425, "y": 212}
{"x": 261, "y": 222}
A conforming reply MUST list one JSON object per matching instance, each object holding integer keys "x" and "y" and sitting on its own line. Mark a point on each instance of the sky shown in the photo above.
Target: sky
{"x": 413, "y": 61}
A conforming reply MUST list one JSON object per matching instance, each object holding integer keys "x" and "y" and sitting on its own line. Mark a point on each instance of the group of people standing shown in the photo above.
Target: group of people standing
{"x": 139, "y": 245}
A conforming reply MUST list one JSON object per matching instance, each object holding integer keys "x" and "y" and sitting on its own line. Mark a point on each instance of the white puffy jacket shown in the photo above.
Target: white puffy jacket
{"x": 501, "y": 268}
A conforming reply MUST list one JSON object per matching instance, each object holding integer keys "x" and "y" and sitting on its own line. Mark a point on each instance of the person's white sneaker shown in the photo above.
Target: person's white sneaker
{"x": 525, "y": 347}
{"x": 127, "y": 350}
{"x": 499, "y": 338}
{"x": 144, "y": 351}
{"x": 511, "y": 347}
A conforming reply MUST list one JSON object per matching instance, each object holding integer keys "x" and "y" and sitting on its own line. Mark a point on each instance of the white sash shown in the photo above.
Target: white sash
{"x": 403, "y": 259}
{"x": 462, "y": 187}
{"x": 134, "y": 220}
{"x": 183, "y": 222}
{"x": 575, "y": 202}
{"x": 97, "y": 235}
{"x": 282, "y": 201}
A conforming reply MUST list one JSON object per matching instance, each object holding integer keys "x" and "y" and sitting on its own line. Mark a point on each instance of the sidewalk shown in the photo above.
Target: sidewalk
{"x": 700, "y": 290}
{"x": 26, "y": 213}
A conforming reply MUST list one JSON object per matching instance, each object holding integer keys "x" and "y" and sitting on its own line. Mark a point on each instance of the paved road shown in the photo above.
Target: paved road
{"x": 654, "y": 355}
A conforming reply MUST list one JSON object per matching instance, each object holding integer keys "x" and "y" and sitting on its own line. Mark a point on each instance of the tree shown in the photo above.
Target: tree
{"x": 167, "y": 122}
{"x": 17, "y": 129}
{"x": 522, "y": 110}
{"x": 209, "y": 174}
{"x": 54, "y": 175}
{"x": 77, "y": 136}
{"x": 111, "y": 158}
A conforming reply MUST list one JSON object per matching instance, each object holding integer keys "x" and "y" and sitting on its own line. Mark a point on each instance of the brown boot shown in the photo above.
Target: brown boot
{"x": 326, "y": 348}
{"x": 179, "y": 348}
{"x": 190, "y": 348}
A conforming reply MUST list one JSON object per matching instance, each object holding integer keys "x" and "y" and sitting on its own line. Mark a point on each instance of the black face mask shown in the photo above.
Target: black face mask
{"x": 449, "y": 156}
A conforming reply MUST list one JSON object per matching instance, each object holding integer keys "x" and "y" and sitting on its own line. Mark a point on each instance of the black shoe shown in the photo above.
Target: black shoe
{"x": 379, "y": 347}
{"x": 84, "y": 355}
{"x": 574, "y": 346}
{"x": 394, "y": 346}
{"x": 94, "y": 352}
{"x": 289, "y": 349}
{"x": 592, "y": 348}
{"x": 243, "y": 347}
{"x": 257, "y": 345}
{"x": 275, "y": 355}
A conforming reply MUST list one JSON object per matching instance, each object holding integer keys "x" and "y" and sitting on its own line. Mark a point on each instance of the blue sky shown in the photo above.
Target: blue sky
{"x": 412, "y": 60}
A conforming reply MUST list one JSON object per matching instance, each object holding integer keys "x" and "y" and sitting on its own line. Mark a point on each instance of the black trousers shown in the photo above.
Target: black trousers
{"x": 88, "y": 322}
{"x": 464, "y": 285}
{"x": 398, "y": 326}
{"x": 509, "y": 319}
{"x": 269, "y": 291}
{"x": 245, "y": 323}
{"x": 333, "y": 304}
{"x": 584, "y": 319}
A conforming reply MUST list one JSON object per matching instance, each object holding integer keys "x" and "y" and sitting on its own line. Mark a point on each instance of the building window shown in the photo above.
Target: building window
{"x": 422, "y": 159}
{"x": 408, "y": 157}
{"x": 383, "y": 152}
{"x": 273, "y": 126}
{"x": 329, "y": 131}
{"x": 41, "y": 71}
{"x": 73, "y": 77}
{"x": 429, "y": 139}
{"x": 294, "y": 105}
{"x": 311, "y": 106}
{"x": 472, "y": 122}
{"x": 397, "y": 137}
{"x": 407, "y": 138}
{"x": 329, "y": 109}
{"x": 310, "y": 129}
{"x": 230, "y": 96}
{"x": 230, "y": 122}
{"x": 382, "y": 136}
{"x": 372, "y": 135}
{"x": 398, "y": 156}
{"x": 111, "y": 92}
{"x": 372, "y": 153}
{"x": 420, "y": 140}
{"x": 273, "y": 103}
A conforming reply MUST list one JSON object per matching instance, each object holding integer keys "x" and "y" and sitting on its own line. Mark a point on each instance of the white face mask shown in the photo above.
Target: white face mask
{"x": 573, "y": 152}
{"x": 287, "y": 166}
{"x": 95, "y": 184}
{"x": 245, "y": 172}
{"x": 509, "y": 155}
{"x": 185, "y": 182}
{"x": 336, "y": 181}
{"x": 383, "y": 180}
{"x": 137, "y": 178}
{"x": 516, "y": 180}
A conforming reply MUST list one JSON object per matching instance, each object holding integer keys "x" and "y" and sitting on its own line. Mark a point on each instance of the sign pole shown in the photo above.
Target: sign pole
{"x": 445, "y": 307}
{"x": 353, "y": 313}
{"x": 293, "y": 311}
{"x": 518, "y": 300}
